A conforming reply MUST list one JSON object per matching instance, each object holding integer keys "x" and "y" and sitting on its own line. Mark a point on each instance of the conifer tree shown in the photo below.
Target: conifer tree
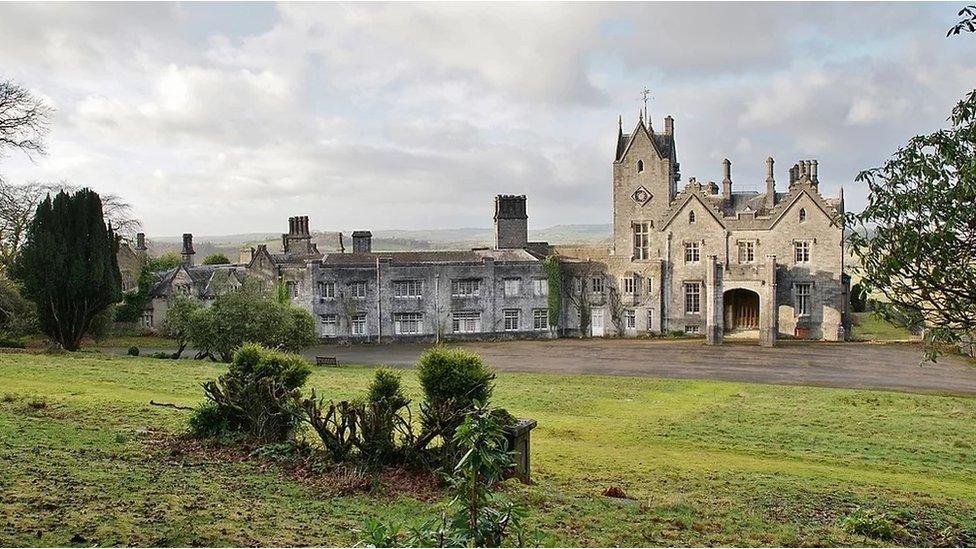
{"x": 68, "y": 265}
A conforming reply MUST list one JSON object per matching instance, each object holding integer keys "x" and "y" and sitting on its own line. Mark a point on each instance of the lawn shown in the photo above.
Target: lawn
{"x": 705, "y": 463}
{"x": 869, "y": 327}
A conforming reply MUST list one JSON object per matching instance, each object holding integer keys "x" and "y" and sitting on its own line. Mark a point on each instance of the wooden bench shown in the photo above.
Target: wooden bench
{"x": 326, "y": 361}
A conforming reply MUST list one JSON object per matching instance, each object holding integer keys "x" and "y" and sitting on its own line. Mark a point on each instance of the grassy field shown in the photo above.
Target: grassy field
{"x": 871, "y": 328}
{"x": 706, "y": 463}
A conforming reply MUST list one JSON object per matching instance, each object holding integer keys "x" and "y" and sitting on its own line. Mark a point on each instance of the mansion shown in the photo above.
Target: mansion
{"x": 700, "y": 259}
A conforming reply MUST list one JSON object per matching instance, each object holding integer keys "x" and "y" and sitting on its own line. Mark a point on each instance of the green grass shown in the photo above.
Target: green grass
{"x": 870, "y": 327}
{"x": 706, "y": 463}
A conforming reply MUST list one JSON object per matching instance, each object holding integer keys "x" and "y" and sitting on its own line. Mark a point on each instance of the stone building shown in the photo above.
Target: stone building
{"x": 699, "y": 259}
{"x": 709, "y": 260}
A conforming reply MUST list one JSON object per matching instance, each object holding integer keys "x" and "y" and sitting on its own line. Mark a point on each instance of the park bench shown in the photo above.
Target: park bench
{"x": 326, "y": 361}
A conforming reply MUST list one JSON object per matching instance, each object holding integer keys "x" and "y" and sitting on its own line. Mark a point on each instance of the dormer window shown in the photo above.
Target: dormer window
{"x": 691, "y": 217}
{"x": 640, "y": 166}
{"x": 803, "y": 215}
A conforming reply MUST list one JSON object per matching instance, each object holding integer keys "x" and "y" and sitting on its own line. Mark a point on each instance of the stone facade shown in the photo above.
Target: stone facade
{"x": 710, "y": 260}
{"x": 703, "y": 259}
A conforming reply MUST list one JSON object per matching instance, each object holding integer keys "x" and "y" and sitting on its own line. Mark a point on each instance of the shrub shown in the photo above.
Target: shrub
{"x": 133, "y": 351}
{"x": 259, "y": 394}
{"x": 451, "y": 379}
{"x": 208, "y": 421}
{"x": 872, "y": 524}
{"x": 378, "y": 419}
{"x": 249, "y": 314}
{"x": 476, "y": 515}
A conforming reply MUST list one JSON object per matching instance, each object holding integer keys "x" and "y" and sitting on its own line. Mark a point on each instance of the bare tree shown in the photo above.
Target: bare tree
{"x": 117, "y": 211}
{"x": 967, "y": 23}
{"x": 24, "y": 119}
{"x": 19, "y": 202}
{"x": 17, "y": 206}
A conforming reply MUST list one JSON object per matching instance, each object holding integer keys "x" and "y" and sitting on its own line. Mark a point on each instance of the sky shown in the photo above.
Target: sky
{"x": 220, "y": 118}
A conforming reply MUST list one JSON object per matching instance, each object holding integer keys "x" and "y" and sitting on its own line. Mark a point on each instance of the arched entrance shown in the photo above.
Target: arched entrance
{"x": 741, "y": 310}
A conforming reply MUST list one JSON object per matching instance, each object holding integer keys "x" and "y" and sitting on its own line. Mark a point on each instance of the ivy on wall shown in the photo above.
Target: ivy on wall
{"x": 555, "y": 278}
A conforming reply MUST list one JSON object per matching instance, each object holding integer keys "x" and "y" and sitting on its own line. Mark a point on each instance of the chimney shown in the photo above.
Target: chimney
{"x": 342, "y": 247}
{"x": 727, "y": 179}
{"x": 362, "y": 242}
{"x": 770, "y": 184}
{"x": 511, "y": 222}
{"x": 813, "y": 174}
{"x": 712, "y": 187}
{"x": 141, "y": 250}
{"x": 187, "y": 252}
{"x": 246, "y": 255}
{"x": 668, "y": 125}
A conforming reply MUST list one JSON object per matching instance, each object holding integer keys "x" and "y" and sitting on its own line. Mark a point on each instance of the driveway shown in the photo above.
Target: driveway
{"x": 847, "y": 365}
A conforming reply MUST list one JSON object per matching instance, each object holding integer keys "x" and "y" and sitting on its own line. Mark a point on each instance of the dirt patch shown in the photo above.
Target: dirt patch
{"x": 305, "y": 465}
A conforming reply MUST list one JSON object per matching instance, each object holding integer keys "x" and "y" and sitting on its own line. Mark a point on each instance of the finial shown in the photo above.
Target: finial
{"x": 620, "y": 122}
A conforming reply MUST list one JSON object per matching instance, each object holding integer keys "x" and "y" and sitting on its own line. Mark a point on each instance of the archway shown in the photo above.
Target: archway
{"x": 741, "y": 310}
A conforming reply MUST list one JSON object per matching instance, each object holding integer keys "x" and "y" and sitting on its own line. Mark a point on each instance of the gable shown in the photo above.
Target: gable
{"x": 692, "y": 202}
{"x": 810, "y": 201}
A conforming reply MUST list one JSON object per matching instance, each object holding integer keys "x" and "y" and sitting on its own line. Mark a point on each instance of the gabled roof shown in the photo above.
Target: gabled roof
{"x": 663, "y": 144}
{"x": 428, "y": 257}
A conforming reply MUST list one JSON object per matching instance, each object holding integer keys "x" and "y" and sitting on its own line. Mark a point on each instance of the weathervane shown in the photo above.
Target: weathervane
{"x": 645, "y": 94}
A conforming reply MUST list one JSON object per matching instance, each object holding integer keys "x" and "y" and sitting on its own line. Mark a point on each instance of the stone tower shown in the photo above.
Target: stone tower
{"x": 645, "y": 176}
{"x": 511, "y": 222}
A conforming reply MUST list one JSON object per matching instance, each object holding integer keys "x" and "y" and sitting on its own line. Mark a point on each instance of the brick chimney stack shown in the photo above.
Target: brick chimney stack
{"x": 511, "y": 222}
{"x": 187, "y": 252}
{"x": 727, "y": 179}
{"x": 668, "y": 125}
{"x": 770, "y": 184}
{"x": 362, "y": 242}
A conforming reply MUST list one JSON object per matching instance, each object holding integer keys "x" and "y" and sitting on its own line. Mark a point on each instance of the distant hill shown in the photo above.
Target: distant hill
{"x": 384, "y": 240}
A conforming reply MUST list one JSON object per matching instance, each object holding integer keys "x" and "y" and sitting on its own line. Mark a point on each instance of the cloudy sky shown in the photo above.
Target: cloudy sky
{"x": 221, "y": 118}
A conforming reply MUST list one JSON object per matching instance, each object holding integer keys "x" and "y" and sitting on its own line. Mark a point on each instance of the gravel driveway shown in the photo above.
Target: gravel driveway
{"x": 848, "y": 365}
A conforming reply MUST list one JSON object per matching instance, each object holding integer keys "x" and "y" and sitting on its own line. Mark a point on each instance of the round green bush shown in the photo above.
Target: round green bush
{"x": 133, "y": 351}
{"x": 452, "y": 380}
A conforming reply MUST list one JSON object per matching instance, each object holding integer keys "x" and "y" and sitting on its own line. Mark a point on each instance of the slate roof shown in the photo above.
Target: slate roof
{"x": 469, "y": 256}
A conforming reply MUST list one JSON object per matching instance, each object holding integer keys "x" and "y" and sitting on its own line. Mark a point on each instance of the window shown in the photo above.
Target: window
{"x": 541, "y": 287}
{"x": 512, "y": 318}
{"x": 640, "y": 241}
{"x": 540, "y": 319}
{"x": 330, "y": 324}
{"x": 640, "y": 166}
{"x": 466, "y": 322}
{"x": 326, "y": 290}
{"x": 407, "y": 323}
{"x": 408, "y": 288}
{"x": 467, "y": 287}
{"x": 146, "y": 318}
{"x": 747, "y": 252}
{"x": 650, "y": 286}
{"x": 803, "y": 215}
{"x": 292, "y": 288}
{"x": 630, "y": 285}
{"x": 692, "y": 298}
{"x": 802, "y": 298}
{"x": 692, "y": 252}
{"x": 579, "y": 284}
{"x": 597, "y": 285}
{"x": 692, "y": 329}
{"x": 630, "y": 319}
{"x": 801, "y": 251}
{"x": 359, "y": 324}
{"x": 650, "y": 319}
{"x": 183, "y": 289}
{"x": 513, "y": 287}
{"x": 358, "y": 289}
{"x": 691, "y": 217}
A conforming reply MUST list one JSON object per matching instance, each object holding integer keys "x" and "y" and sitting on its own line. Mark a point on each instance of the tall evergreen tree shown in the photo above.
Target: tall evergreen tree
{"x": 68, "y": 265}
